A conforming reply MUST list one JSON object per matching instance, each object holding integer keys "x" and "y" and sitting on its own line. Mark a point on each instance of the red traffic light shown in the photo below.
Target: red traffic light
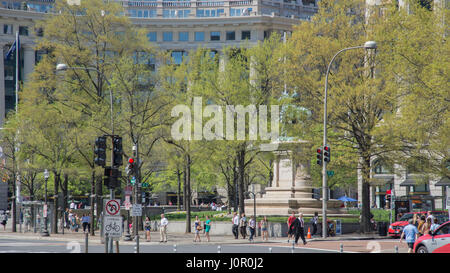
{"x": 319, "y": 151}
{"x": 131, "y": 160}
{"x": 326, "y": 148}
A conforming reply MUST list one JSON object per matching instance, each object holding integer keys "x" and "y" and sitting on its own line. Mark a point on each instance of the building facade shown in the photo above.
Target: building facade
{"x": 178, "y": 26}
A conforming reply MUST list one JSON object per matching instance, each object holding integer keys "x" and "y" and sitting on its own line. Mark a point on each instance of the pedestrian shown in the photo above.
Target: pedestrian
{"x": 66, "y": 218}
{"x": 207, "y": 228}
{"x": 77, "y": 222}
{"x": 70, "y": 218}
{"x": 299, "y": 227}
{"x": 427, "y": 226}
{"x": 163, "y": 229}
{"x": 264, "y": 228}
{"x": 3, "y": 220}
{"x": 430, "y": 215}
{"x": 315, "y": 223}
{"x": 86, "y": 223}
{"x": 243, "y": 225}
{"x": 197, "y": 229}
{"x": 434, "y": 226}
{"x": 290, "y": 220}
{"x": 27, "y": 221}
{"x": 416, "y": 219}
{"x": 421, "y": 225}
{"x": 147, "y": 226}
{"x": 235, "y": 228}
{"x": 411, "y": 234}
{"x": 252, "y": 227}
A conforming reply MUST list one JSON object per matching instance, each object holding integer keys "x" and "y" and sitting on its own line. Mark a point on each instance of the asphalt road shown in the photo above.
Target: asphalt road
{"x": 52, "y": 246}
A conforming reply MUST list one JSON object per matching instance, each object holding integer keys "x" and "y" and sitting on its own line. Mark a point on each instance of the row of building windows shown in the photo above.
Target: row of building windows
{"x": 184, "y": 13}
{"x": 9, "y": 29}
{"x": 199, "y": 36}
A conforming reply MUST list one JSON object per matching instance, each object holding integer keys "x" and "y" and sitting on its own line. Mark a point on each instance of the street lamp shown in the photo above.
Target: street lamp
{"x": 367, "y": 45}
{"x": 45, "y": 232}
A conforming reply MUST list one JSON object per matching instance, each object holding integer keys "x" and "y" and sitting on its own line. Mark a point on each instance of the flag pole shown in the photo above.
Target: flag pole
{"x": 17, "y": 70}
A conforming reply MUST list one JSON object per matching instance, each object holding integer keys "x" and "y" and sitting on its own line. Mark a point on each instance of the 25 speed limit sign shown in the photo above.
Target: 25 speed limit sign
{"x": 112, "y": 207}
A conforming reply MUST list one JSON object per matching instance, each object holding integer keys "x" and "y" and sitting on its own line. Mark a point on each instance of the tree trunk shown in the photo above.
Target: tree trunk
{"x": 99, "y": 196}
{"x": 241, "y": 177}
{"x": 235, "y": 186}
{"x": 188, "y": 193}
{"x": 55, "y": 203}
{"x": 365, "y": 211}
{"x": 179, "y": 190}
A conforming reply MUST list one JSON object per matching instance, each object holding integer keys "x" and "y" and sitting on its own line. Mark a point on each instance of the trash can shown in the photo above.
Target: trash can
{"x": 382, "y": 228}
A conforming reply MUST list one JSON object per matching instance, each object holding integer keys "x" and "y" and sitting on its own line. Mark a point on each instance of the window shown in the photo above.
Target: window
{"x": 246, "y": 35}
{"x": 177, "y": 56}
{"x": 7, "y": 29}
{"x": 167, "y": 36}
{"x": 23, "y": 31}
{"x": 231, "y": 35}
{"x": 199, "y": 36}
{"x": 152, "y": 36}
{"x": 183, "y": 36}
{"x": 379, "y": 167}
{"x": 215, "y": 35}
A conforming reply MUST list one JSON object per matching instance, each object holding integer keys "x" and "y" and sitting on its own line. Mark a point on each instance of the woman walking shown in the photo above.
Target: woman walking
{"x": 147, "y": 225}
{"x": 264, "y": 228}
{"x": 207, "y": 228}
{"x": 198, "y": 228}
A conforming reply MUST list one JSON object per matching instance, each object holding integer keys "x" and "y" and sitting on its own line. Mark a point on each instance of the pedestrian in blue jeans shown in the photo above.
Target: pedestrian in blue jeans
{"x": 411, "y": 234}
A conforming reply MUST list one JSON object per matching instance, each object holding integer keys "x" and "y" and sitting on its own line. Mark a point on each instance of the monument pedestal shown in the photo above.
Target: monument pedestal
{"x": 291, "y": 189}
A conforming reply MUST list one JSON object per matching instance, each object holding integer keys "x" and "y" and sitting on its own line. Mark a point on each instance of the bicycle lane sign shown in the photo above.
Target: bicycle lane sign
{"x": 112, "y": 226}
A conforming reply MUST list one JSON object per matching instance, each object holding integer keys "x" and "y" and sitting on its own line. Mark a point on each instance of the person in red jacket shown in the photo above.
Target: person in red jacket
{"x": 290, "y": 220}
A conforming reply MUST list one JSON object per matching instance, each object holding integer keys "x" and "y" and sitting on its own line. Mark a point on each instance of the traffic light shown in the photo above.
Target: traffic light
{"x": 111, "y": 179}
{"x": 117, "y": 151}
{"x": 100, "y": 151}
{"x": 326, "y": 153}
{"x": 130, "y": 169}
{"x": 319, "y": 156}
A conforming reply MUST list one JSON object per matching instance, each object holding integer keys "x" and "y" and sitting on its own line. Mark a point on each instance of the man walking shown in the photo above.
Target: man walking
{"x": 235, "y": 228}
{"x": 163, "y": 229}
{"x": 411, "y": 234}
{"x": 299, "y": 227}
{"x": 252, "y": 226}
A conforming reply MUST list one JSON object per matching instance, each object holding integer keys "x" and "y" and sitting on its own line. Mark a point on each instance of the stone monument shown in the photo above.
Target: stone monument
{"x": 291, "y": 189}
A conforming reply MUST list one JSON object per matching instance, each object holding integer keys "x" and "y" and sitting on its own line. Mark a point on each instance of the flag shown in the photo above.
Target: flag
{"x": 10, "y": 51}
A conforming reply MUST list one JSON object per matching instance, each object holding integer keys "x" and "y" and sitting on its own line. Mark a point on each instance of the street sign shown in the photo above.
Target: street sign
{"x": 136, "y": 210}
{"x": 330, "y": 173}
{"x": 128, "y": 190}
{"x": 133, "y": 180}
{"x": 448, "y": 199}
{"x": 112, "y": 226}
{"x": 112, "y": 207}
{"x": 127, "y": 202}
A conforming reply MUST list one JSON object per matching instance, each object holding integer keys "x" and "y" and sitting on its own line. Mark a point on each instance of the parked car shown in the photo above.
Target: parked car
{"x": 437, "y": 242}
{"x": 396, "y": 228}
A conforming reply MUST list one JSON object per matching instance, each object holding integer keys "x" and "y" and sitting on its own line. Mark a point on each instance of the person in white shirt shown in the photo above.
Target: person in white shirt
{"x": 163, "y": 228}
{"x": 235, "y": 228}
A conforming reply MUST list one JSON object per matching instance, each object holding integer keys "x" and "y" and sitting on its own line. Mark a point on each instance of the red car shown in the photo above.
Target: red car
{"x": 396, "y": 228}
{"x": 437, "y": 242}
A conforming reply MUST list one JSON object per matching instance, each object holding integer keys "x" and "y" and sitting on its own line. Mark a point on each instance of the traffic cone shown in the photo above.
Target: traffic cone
{"x": 309, "y": 234}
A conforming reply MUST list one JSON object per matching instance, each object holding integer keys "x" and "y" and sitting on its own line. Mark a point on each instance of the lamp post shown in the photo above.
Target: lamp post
{"x": 45, "y": 232}
{"x": 367, "y": 45}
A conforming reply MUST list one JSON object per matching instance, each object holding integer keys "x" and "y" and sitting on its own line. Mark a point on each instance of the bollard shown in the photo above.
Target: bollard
{"x": 396, "y": 249}
{"x": 293, "y": 247}
{"x": 86, "y": 240}
{"x": 341, "y": 248}
{"x": 219, "y": 249}
{"x": 117, "y": 246}
{"x": 175, "y": 248}
{"x": 106, "y": 243}
{"x": 270, "y": 250}
{"x": 137, "y": 243}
